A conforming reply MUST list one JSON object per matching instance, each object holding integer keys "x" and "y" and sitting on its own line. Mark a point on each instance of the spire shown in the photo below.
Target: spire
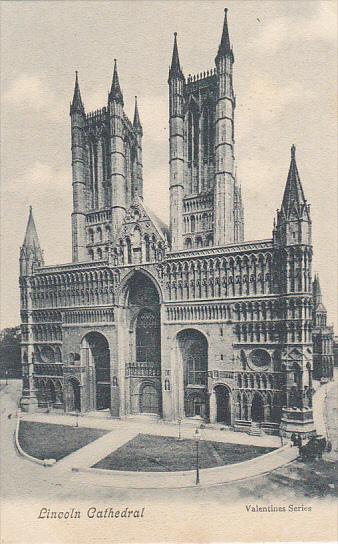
{"x": 115, "y": 90}
{"x": 77, "y": 105}
{"x": 175, "y": 68}
{"x": 31, "y": 237}
{"x": 293, "y": 193}
{"x": 137, "y": 122}
{"x": 30, "y": 252}
{"x": 224, "y": 48}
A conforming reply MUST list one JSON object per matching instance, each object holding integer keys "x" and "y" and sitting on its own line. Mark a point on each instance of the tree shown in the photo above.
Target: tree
{"x": 10, "y": 352}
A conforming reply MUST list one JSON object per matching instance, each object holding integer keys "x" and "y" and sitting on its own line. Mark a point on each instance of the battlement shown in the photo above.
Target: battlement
{"x": 205, "y": 78}
{"x": 96, "y": 115}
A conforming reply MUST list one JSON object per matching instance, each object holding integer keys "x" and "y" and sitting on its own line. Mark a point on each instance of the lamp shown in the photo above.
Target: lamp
{"x": 197, "y": 438}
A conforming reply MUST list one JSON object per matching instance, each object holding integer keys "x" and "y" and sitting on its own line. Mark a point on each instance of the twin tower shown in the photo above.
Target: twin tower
{"x": 205, "y": 198}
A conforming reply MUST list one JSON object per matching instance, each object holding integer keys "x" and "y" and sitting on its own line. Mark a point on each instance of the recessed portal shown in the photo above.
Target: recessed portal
{"x": 223, "y": 404}
{"x": 73, "y": 396}
{"x": 193, "y": 348}
{"x": 257, "y": 408}
{"x": 98, "y": 359}
{"x": 144, "y": 345}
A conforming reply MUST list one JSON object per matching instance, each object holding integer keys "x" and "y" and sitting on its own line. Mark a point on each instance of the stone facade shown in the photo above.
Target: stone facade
{"x": 186, "y": 322}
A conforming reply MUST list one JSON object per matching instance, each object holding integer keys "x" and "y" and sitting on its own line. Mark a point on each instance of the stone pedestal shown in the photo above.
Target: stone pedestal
{"x": 298, "y": 421}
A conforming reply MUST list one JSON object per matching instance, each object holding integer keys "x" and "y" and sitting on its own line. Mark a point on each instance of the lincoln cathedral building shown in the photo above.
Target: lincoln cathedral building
{"x": 186, "y": 321}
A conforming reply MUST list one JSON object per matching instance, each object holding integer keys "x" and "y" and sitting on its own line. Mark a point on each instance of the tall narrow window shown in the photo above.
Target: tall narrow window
{"x": 129, "y": 256}
{"x": 147, "y": 246}
{"x": 190, "y": 137}
{"x": 206, "y": 130}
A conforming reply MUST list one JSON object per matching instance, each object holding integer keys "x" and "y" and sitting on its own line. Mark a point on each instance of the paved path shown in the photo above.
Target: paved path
{"x": 95, "y": 451}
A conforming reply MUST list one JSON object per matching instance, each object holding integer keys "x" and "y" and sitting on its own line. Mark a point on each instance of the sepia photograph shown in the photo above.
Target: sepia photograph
{"x": 168, "y": 342}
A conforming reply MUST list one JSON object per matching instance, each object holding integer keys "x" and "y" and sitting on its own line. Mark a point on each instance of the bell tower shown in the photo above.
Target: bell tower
{"x": 107, "y": 171}
{"x": 206, "y": 203}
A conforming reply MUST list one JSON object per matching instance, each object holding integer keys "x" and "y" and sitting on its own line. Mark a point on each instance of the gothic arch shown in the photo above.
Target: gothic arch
{"x": 123, "y": 288}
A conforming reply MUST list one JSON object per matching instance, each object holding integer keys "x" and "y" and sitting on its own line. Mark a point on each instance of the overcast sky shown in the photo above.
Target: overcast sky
{"x": 285, "y": 83}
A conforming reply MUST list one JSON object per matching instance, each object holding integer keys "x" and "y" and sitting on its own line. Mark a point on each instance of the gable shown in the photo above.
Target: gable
{"x": 142, "y": 238}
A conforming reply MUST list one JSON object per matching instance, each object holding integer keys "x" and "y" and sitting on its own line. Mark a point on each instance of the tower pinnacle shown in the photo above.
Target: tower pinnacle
{"x": 115, "y": 90}
{"x": 224, "y": 48}
{"x": 77, "y": 104}
{"x": 31, "y": 237}
{"x": 137, "y": 122}
{"x": 175, "y": 68}
{"x": 293, "y": 193}
{"x": 30, "y": 252}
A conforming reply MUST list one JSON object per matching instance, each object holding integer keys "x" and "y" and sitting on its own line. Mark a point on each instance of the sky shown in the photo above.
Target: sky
{"x": 285, "y": 84}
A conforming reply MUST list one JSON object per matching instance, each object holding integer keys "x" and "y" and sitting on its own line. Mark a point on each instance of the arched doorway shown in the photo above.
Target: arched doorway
{"x": 73, "y": 396}
{"x": 149, "y": 400}
{"x": 257, "y": 408}
{"x": 223, "y": 404}
{"x": 97, "y": 354}
{"x": 193, "y": 348}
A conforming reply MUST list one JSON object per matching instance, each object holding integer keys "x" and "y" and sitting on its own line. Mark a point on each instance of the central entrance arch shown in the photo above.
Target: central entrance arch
{"x": 223, "y": 404}
{"x": 98, "y": 360}
{"x": 193, "y": 348}
{"x": 143, "y": 350}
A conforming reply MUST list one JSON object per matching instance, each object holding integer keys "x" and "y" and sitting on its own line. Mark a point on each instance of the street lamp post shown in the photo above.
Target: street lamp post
{"x": 197, "y": 440}
{"x": 179, "y": 421}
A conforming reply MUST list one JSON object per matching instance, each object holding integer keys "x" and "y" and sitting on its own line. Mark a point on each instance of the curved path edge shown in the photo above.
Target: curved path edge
{"x": 180, "y": 479}
{"x": 42, "y": 462}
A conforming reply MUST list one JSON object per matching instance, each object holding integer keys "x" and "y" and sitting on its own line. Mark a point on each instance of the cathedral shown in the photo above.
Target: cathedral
{"x": 186, "y": 322}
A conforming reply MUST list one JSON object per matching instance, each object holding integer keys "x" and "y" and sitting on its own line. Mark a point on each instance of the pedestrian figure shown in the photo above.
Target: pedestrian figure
{"x": 9, "y": 416}
{"x": 294, "y": 439}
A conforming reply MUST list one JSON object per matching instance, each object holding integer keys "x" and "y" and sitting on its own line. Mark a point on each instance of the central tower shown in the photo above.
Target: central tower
{"x": 205, "y": 198}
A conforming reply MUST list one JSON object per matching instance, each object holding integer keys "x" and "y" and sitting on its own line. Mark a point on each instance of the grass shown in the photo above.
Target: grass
{"x": 163, "y": 453}
{"x": 48, "y": 441}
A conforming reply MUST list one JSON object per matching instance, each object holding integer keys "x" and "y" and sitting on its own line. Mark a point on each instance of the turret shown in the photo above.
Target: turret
{"x": 31, "y": 258}
{"x": 31, "y": 255}
{"x": 293, "y": 219}
{"x": 78, "y": 120}
{"x": 292, "y": 273}
{"x": 292, "y": 235}
{"x": 117, "y": 153}
{"x": 176, "y": 83}
{"x": 139, "y": 166}
{"x": 224, "y": 142}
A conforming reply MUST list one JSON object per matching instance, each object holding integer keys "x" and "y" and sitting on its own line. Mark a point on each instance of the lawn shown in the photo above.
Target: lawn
{"x": 151, "y": 453}
{"x": 47, "y": 441}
